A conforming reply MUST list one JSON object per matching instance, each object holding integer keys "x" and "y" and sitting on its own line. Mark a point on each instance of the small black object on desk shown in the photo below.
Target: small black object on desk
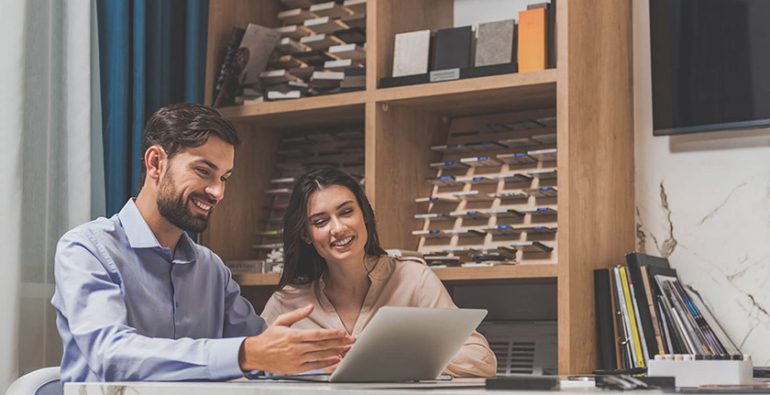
{"x": 545, "y": 383}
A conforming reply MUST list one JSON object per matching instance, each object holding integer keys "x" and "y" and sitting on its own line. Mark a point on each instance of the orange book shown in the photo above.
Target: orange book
{"x": 533, "y": 40}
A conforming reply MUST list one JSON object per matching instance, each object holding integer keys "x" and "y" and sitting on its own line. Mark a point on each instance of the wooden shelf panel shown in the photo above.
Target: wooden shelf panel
{"x": 445, "y": 274}
{"x": 518, "y": 91}
{"x": 503, "y": 272}
{"x": 305, "y": 112}
{"x": 248, "y": 279}
{"x": 499, "y": 93}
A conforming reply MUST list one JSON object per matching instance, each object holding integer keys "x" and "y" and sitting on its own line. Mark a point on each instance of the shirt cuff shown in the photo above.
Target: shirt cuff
{"x": 223, "y": 358}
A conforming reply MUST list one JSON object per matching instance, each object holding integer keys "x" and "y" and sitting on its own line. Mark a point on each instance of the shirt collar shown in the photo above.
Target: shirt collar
{"x": 185, "y": 250}
{"x": 381, "y": 271}
{"x": 140, "y": 235}
{"x": 384, "y": 267}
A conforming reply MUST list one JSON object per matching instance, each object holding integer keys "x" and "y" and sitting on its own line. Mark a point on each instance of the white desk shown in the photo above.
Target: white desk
{"x": 273, "y": 388}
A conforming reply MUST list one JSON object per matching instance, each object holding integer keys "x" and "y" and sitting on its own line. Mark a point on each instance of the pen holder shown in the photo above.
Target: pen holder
{"x": 690, "y": 372}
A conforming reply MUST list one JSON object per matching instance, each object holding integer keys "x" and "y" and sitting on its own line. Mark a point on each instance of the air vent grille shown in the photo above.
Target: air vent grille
{"x": 522, "y": 348}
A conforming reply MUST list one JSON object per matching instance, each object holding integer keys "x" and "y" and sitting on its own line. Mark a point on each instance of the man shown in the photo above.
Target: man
{"x": 137, "y": 299}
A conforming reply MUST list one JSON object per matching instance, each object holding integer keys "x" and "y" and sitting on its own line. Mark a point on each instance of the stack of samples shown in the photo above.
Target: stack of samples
{"x": 494, "y": 195}
{"x": 492, "y": 48}
{"x": 319, "y": 49}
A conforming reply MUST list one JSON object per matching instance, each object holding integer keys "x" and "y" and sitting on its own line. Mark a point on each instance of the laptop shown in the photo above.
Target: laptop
{"x": 402, "y": 344}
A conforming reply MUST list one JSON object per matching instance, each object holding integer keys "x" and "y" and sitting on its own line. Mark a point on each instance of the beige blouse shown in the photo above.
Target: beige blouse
{"x": 395, "y": 282}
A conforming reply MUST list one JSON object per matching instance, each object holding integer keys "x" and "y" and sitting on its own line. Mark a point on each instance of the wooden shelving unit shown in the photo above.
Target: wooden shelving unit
{"x": 301, "y": 113}
{"x": 446, "y": 274}
{"x": 462, "y": 97}
{"x": 590, "y": 90}
{"x": 257, "y": 279}
{"x": 478, "y": 95}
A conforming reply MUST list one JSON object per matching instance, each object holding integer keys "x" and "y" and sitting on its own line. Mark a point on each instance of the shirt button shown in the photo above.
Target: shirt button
{"x": 176, "y": 304}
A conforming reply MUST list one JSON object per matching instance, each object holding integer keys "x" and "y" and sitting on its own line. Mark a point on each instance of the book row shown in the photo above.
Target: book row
{"x": 644, "y": 310}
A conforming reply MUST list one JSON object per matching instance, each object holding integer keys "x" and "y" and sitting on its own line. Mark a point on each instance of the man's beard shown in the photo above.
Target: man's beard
{"x": 176, "y": 211}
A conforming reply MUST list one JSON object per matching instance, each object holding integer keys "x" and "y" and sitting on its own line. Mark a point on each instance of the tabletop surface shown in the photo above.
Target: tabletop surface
{"x": 243, "y": 387}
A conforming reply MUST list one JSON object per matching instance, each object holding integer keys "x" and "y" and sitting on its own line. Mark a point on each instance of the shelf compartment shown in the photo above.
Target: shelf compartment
{"x": 531, "y": 246}
{"x": 251, "y": 279}
{"x": 449, "y": 165}
{"x": 434, "y": 217}
{"x": 543, "y": 174}
{"x": 545, "y": 270}
{"x": 477, "y": 180}
{"x": 501, "y": 272}
{"x": 305, "y": 112}
{"x": 438, "y": 200}
{"x": 470, "y": 214}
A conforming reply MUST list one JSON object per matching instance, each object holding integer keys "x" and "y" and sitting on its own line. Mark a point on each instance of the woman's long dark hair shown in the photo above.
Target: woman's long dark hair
{"x": 302, "y": 263}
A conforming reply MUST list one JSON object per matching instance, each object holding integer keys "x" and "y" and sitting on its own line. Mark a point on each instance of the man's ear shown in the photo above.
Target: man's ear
{"x": 154, "y": 160}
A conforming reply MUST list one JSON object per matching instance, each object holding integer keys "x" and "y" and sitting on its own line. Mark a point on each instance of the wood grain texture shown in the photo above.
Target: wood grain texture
{"x": 547, "y": 270}
{"x": 456, "y": 275}
{"x": 398, "y": 162}
{"x": 223, "y": 16}
{"x": 484, "y": 95}
{"x": 372, "y": 80}
{"x": 509, "y": 92}
{"x": 305, "y": 112}
{"x": 257, "y": 279}
{"x": 596, "y": 170}
{"x": 370, "y": 146}
{"x": 258, "y": 296}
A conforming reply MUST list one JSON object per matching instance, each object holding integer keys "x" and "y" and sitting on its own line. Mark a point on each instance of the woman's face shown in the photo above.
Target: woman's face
{"x": 336, "y": 226}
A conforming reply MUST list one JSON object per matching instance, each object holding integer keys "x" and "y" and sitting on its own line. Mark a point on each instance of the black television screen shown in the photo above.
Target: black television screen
{"x": 710, "y": 65}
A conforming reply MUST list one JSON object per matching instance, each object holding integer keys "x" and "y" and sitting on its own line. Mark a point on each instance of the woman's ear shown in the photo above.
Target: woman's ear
{"x": 306, "y": 239}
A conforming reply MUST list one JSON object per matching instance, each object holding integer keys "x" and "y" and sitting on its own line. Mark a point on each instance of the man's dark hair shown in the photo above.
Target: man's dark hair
{"x": 180, "y": 126}
{"x": 302, "y": 263}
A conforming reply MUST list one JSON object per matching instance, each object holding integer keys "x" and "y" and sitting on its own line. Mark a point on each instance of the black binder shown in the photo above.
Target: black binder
{"x": 605, "y": 318}
{"x": 453, "y": 48}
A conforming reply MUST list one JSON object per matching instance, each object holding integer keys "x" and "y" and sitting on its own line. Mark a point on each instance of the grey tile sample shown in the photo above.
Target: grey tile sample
{"x": 496, "y": 43}
{"x": 330, "y": 9}
{"x": 355, "y": 20}
{"x": 321, "y": 41}
{"x": 357, "y": 6}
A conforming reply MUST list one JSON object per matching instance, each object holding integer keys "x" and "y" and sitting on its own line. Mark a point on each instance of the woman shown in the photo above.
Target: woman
{"x": 334, "y": 261}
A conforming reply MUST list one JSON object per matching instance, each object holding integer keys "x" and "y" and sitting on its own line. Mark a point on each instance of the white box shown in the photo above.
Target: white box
{"x": 701, "y": 372}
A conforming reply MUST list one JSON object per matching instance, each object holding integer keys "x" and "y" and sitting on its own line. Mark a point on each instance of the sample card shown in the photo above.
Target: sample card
{"x": 411, "y": 53}
{"x": 496, "y": 43}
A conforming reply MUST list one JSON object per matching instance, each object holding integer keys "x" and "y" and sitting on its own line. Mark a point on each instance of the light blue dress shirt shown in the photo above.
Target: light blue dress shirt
{"x": 128, "y": 310}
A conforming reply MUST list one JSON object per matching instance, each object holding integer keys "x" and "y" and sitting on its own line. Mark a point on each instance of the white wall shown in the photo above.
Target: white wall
{"x": 703, "y": 200}
{"x": 473, "y": 12}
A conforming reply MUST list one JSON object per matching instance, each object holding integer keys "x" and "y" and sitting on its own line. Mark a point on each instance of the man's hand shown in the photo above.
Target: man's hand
{"x": 283, "y": 350}
{"x": 332, "y": 368}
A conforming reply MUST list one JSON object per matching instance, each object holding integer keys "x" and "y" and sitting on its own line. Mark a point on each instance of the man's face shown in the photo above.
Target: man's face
{"x": 194, "y": 183}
